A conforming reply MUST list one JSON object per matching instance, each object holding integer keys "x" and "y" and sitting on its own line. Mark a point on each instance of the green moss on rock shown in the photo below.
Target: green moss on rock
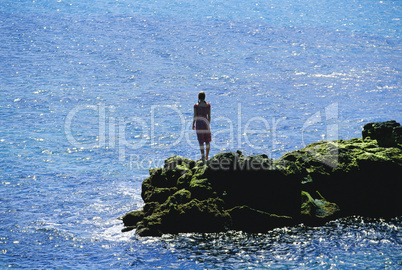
{"x": 255, "y": 193}
{"x": 387, "y": 134}
{"x": 317, "y": 211}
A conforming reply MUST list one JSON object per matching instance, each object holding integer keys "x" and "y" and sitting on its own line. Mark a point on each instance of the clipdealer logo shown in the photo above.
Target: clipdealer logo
{"x": 329, "y": 118}
{"x": 116, "y": 133}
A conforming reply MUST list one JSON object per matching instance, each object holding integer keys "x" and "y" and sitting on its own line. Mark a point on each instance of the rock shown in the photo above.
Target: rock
{"x": 193, "y": 216}
{"x": 383, "y": 132}
{"x": 180, "y": 197}
{"x": 197, "y": 216}
{"x": 363, "y": 174}
{"x": 255, "y": 193}
{"x": 251, "y": 220}
{"x": 317, "y": 211}
{"x": 132, "y": 218}
{"x": 397, "y": 133}
{"x": 128, "y": 228}
{"x": 254, "y": 181}
{"x": 201, "y": 189}
{"x": 158, "y": 194}
{"x": 364, "y": 179}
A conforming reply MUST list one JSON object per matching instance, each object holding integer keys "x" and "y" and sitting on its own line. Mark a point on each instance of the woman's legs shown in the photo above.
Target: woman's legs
{"x": 207, "y": 146}
{"x": 202, "y": 150}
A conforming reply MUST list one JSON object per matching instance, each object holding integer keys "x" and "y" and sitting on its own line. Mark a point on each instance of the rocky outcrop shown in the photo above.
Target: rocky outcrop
{"x": 387, "y": 134}
{"x": 358, "y": 175}
{"x": 232, "y": 191}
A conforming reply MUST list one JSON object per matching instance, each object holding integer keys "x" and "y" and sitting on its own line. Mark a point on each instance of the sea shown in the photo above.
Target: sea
{"x": 93, "y": 94}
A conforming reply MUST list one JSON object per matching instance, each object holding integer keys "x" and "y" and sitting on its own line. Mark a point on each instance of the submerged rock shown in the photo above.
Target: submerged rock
{"x": 320, "y": 182}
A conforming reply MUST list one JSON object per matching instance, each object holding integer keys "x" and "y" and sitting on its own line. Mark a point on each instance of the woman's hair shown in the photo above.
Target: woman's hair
{"x": 201, "y": 96}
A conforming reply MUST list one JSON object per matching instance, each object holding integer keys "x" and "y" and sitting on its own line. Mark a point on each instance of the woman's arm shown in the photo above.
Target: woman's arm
{"x": 194, "y": 117}
{"x": 209, "y": 114}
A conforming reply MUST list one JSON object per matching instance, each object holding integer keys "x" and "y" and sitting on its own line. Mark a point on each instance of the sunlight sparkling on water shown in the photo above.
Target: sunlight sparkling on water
{"x": 95, "y": 94}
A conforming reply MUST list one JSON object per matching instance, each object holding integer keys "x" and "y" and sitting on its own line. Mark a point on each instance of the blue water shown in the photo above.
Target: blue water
{"x": 94, "y": 93}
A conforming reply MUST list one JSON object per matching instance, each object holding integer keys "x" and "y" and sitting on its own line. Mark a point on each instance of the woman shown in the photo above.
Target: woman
{"x": 201, "y": 120}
